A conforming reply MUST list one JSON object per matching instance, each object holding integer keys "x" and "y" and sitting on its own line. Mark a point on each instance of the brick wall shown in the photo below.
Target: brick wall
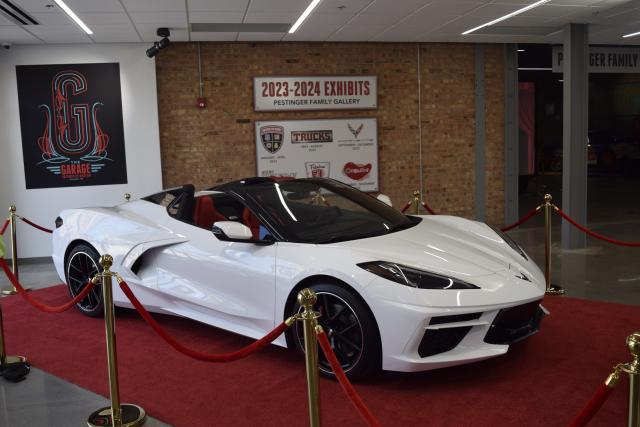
{"x": 214, "y": 145}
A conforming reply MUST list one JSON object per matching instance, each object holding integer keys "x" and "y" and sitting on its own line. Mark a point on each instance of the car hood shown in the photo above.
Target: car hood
{"x": 448, "y": 245}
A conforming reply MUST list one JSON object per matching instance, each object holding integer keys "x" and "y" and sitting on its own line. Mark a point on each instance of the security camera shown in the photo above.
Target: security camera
{"x": 157, "y": 46}
{"x": 6, "y": 45}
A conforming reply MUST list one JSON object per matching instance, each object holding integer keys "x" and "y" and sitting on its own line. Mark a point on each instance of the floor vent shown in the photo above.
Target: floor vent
{"x": 15, "y": 14}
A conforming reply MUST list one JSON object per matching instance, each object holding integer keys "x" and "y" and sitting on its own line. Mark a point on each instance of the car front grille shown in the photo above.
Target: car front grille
{"x": 515, "y": 323}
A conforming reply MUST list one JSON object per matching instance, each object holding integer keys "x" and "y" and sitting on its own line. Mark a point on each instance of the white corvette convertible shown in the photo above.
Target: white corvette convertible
{"x": 397, "y": 292}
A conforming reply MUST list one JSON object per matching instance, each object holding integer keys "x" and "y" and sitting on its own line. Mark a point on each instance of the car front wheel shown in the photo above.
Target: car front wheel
{"x": 81, "y": 265}
{"x": 350, "y": 328}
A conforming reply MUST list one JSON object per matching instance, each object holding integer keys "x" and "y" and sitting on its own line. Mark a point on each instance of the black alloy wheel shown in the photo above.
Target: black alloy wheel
{"x": 350, "y": 328}
{"x": 81, "y": 265}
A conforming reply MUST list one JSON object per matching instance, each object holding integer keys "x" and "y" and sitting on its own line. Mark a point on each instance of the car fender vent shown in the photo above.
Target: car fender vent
{"x": 16, "y": 14}
{"x": 439, "y": 320}
{"x": 137, "y": 265}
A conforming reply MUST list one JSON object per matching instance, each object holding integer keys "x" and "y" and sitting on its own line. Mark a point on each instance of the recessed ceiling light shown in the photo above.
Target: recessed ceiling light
{"x": 71, "y": 14}
{"x": 304, "y": 15}
{"x": 631, "y": 35}
{"x": 507, "y": 16}
{"x": 520, "y": 50}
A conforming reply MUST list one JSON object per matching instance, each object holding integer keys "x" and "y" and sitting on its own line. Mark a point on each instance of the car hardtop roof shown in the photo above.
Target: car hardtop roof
{"x": 257, "y": 180}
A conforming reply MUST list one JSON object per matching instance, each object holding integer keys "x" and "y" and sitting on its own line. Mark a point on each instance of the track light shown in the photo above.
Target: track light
{"x": 157, "y": 46}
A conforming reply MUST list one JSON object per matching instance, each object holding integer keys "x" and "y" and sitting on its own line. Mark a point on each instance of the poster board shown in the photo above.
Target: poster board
{"x": 342, "y": 149}
{"x": 303, "y": 93}
{"x": 71, "y": 125}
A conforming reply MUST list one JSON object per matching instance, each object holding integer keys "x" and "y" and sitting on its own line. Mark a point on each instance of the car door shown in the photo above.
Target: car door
{"x": 226, "y": 284}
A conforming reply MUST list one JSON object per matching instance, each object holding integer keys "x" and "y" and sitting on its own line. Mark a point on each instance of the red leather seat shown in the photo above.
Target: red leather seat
{"x": 205, "y": 213}
{"x": 251, "y": 221}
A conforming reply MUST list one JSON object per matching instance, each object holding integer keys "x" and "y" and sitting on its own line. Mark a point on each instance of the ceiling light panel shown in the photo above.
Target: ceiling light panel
{"x": 506, "y": 16}
{"x": 305, "y": 14}
{"x": 81, "y": 6}
{"x": 72, "y": 15}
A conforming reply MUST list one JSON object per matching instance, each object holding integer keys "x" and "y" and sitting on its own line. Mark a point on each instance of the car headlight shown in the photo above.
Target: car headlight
{"x": 413, "y": 277}
{"x": 509, "y": 241}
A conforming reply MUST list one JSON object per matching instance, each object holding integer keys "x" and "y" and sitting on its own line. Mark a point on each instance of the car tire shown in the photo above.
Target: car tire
{"x": 81, "y": 265}
{"x": 350, "y": 328}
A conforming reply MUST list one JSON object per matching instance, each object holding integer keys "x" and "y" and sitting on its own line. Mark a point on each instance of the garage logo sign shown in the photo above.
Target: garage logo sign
{"x": 272, "y": 138}
{"x": 71, "y": 122}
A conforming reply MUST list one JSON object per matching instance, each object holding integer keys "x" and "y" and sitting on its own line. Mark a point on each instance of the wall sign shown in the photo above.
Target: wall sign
{"x": 605, "y": 59}
{"x": 315, "y": 93}
{"x": 71, "y": 123}
{"x": 343, "y": 149}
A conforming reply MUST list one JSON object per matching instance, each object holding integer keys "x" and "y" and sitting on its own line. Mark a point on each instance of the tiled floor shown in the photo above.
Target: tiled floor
{"x": 43, "y": 400}
{"x": 600, "y": 272}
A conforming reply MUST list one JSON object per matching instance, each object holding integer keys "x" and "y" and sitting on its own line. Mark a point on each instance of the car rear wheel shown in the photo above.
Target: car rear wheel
{"x": 350, "y": 328}
{"x": 81, "y": 265}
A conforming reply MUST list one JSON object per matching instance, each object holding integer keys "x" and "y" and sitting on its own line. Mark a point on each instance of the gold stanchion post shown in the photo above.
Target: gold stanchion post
{"x": 633, "y": 369}
{"x": 4, "y": 359}
{"x": 416, "y": 201}
{"x": 116, "y": 415}
{"x": 548, "y": 206}
{"x": 307, "y": 298}
{"x": 127, "y": 197}
{"x": 14, "y": 249}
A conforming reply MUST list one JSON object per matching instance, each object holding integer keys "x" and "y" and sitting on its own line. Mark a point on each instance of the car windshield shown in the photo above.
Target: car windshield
{"x": 324, "y": 211}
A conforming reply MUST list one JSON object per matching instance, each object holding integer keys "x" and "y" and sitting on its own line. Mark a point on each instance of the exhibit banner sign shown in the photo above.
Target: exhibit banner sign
{"x": 342, "y": 149}
{"x": 605, "y": 59}
{"x": 296, "y": 93}
{"x": 71, "y": 124}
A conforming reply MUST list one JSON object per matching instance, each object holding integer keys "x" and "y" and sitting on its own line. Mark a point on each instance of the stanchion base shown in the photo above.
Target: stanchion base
{"x": 15, "y": 359}
{"x": 555, "y": 290}
{"x": 132, "y": 416}
{"x": 12, "y": 291}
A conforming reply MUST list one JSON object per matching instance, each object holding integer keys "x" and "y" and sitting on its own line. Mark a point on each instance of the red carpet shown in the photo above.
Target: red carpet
{"x": 543, "y": 381}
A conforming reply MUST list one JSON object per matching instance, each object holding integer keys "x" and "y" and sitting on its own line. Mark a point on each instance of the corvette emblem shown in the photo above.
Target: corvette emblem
{"x": 271, "y": 137}
{"x": 356, "y": 171}
{"x": 355, "y": 132}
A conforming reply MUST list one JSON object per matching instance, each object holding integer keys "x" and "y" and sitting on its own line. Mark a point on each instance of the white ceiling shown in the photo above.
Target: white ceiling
{"x": 333, "y": 20}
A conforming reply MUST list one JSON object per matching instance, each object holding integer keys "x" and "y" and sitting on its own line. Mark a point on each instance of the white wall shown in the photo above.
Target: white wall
{"x": 142, "y": 143}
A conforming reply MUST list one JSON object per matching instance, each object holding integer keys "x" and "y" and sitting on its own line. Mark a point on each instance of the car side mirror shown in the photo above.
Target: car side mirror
{"x": 384, "y": 199}
{"x": 233, "y": 231}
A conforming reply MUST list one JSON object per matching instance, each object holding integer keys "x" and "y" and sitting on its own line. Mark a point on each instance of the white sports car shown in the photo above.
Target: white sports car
{"x": 397, "y": 292}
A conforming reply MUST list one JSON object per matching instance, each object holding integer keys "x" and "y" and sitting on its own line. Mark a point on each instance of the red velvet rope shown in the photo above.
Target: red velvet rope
{"x": 205, "y": 357}
{"x": 348, "y": 389}
{"x": 596, "y": 402}
{"x": 594, "y": 234}
{"x": 40, "y": 306}
{"x": 522, "y": 220}
{"x": 4, "y": 226}
{"x": 409, "y": 203}
{"x": 428, "y": 209}
{"x": 34, "y": 225}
